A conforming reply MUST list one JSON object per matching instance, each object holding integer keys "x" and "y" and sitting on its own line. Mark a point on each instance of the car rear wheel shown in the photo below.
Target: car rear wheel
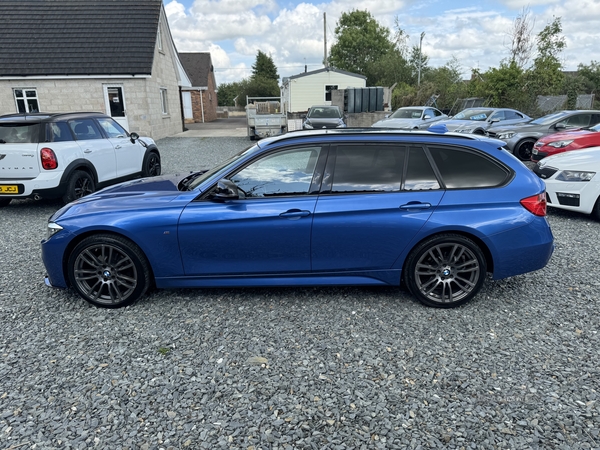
{"x": 108, "y": 271}
{"x": 151, "y": 166}
{"x": 445, "y": 271}
{"x": 80, "y": 184}
{"x": 523, "y": 149}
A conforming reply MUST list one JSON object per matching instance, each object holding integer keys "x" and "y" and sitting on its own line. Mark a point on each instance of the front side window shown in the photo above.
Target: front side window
{"x": 85, "y": 129}
{"x": 328, "y": 89}
{"x": 112, "y": 128}
{"x": 288, "y": 172}
{"x": 26, "y": 100}
{"x": 368, "y": 168}
{"x": 163, "y": 101}
{"x": 464, "y": 169}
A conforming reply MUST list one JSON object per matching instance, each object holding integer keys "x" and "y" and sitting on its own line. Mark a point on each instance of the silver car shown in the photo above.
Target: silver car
{"x": 411, "y": 118}
{"x": 478, "y": 120}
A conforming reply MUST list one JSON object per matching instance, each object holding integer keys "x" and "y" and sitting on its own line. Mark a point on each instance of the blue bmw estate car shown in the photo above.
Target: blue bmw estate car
{"x": 437, "y": 211}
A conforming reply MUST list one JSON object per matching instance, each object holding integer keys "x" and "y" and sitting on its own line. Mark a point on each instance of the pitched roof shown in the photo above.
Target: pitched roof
{"x": 78, "y": 37}
{"x": 198, "y": 66}
{"x": 326, "y": 69}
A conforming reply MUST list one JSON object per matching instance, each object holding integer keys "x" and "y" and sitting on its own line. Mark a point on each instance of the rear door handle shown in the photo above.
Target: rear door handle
{"x": 415, "y": 205}
{"x": 294, "y": 214}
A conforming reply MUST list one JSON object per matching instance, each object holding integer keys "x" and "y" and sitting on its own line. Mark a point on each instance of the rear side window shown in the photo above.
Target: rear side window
{"x": 419, "y": 173}
{"x": 463, "y": 169}
{"x": 368, "y": 168}
{"x": 85, "y": 129}
{"x": 19, "y": 133}
{"x": 58, "y": 132}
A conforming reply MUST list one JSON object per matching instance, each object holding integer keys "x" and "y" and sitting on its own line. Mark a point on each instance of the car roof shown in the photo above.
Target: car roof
{"x": 331, "y": 133}
{"x": 47, "y": 117}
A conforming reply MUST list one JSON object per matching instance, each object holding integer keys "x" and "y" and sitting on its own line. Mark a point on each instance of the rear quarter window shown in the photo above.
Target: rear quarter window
{"x": 58, "y": 132}
{"x": 464, "y": 168}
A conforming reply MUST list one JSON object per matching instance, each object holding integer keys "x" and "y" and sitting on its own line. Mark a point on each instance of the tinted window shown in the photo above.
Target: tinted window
{"x": 368, "y": 168}
{"x": 85, "y": 129}
{"x": 465, "y": 169}
{"x": 285, "y": 173}
{"x": 419, "y": 173}
{"x": 19, "y": 133}
{"x": 509, "y": 115}
{"x": 58, "y": 132}
{"x": 579, "y": 120}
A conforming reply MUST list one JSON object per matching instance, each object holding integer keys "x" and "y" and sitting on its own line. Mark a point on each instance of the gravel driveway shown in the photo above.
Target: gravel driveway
{"x": 306, "y": 368}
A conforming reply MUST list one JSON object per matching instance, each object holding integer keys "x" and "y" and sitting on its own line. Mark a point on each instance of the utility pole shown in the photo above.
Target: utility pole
{"x": 420, "y": 58}
{"x": 325, "y": 40}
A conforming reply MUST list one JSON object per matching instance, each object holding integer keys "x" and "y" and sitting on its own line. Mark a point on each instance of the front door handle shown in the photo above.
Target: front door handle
{"x": 87, "y": 150}
{"x": 294, "y": 214}
{"x": 415, "y": 205}
{"x": 117, "y": 147}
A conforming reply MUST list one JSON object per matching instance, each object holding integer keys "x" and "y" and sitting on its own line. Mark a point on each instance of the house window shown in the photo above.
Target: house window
{"x": 164, "y": 101}
{"x": 26, "y": 100}
{"x": 328, "y": 89}
{"x": 159, "y": 39}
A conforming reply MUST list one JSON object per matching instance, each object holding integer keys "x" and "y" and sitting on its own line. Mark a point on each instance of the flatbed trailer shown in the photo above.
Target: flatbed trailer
{"x": 265, "y": 117}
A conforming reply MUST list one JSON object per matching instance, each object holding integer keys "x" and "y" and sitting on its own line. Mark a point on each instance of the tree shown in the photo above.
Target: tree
{"x": 521, "y": 41}
{"x": 546, "y": 77}
{"x": 264, "y": 67}
{"x": 228, "y": 92}
{"x": 360, "y": 42}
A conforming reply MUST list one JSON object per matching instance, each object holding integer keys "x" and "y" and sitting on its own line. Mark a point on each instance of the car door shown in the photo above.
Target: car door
{"x": 96, "y": 149}
{"x": 128, "y": 155}
{"x": 267, "y": 230}
{"x": 368, "y": 212}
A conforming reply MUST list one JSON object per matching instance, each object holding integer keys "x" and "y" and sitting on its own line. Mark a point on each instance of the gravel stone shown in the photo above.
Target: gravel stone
{"x": 344, "y": 368}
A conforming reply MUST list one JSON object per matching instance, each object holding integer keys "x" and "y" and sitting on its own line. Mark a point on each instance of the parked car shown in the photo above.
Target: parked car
{"x": 69, "y": 155}
{"x": 411, "y": 118}
{"x": 520, "y": 138}
{"x": 572, "y": 180}
{"x": 325, "y": 116}
{"x": 565, "y": 141}
{"x": 352, "y": 207}
{"x": 478, "y": 120}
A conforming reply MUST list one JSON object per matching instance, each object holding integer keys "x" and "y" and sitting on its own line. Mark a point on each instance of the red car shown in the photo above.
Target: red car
{"x": 566, "y": 141}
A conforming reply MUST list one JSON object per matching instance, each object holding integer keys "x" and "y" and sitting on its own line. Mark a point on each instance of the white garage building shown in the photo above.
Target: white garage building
{"x": 300, "y": 92}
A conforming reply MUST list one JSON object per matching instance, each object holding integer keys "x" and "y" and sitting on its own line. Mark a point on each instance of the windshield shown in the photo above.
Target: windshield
{"x": 202, "y": 176}
{"x": 474, "y": 114}
{"x": 320, "y": 112}
{"x": 19, "y": 133}
{"x": 407, "y": 113}
{"x": 547, "y": 120}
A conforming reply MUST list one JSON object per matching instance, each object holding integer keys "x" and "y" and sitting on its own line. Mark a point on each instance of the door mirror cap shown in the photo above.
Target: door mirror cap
{"x": 134, "y": 137}
{"x": 226, "y": 190}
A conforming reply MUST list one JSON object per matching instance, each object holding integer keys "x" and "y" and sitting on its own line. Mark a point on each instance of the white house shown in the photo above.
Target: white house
{"x": 300, "y": 92}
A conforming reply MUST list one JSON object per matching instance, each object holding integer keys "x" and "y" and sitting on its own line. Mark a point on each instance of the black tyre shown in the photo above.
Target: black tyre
{"x": 108, "y": 271}
{"x": 523, "y": 149}
{"x": 445, "y": 271}
{"x": 151, "y": 166}
{"x": 80, "y": 184}
{"x": 4, "y": 202}
{"x": 596, "y": 210}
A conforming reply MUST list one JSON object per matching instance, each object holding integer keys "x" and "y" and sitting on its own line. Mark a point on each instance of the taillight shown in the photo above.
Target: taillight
{"x": 49, "y": 160}
{"x": 536, "y": 204}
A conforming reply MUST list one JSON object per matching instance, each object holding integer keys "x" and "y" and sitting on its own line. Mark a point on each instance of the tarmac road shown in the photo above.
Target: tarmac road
{"x": 231, "y": 127}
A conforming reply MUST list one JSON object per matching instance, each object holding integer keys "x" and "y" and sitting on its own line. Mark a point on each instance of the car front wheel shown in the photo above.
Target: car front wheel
{"x": 152, "y": 166}
{"x": 524, "y": 148}
{"x": 108, "y": 271}
{"x": 445, "y": 271}
{"x": 80, "y": 184}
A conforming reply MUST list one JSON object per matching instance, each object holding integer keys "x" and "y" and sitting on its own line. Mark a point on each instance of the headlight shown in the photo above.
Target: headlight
{"x": 507, "y": 135}
{"x": 341, "y": 124}
{"x": 307, "y": 125}
{"x": 575, "y": 175}
{"x": 53, "y": 228}
{"x": 464, "y": 130}
{"x": 559, "y": 144}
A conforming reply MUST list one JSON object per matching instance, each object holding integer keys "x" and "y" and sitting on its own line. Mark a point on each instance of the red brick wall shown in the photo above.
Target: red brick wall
{"x": 209, "y": 101}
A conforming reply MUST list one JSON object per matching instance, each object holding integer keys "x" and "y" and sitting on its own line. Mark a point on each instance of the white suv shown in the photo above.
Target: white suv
{"x": 69, "y": 155}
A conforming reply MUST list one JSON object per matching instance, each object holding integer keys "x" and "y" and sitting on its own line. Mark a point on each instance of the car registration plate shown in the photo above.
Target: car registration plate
{"x": 8, "y": 189}
{"x": 534, "y": 151}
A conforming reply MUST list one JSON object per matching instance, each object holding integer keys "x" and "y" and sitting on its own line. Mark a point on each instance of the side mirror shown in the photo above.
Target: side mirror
{"x": 426, "y": 117}
{"x": 226, "y": 190}
{"x": 494, "y": 120}
{"x": 134, "y": 137}
{"x": 560, "y": 126}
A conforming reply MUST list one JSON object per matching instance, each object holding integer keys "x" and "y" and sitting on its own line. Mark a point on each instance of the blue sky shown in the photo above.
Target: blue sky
{"x": 476, "y": 33}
